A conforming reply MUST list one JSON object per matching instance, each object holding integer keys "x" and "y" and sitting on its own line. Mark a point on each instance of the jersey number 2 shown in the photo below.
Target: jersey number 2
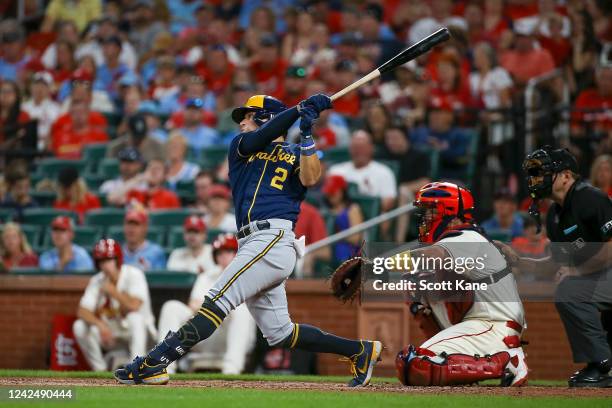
{"x": 281, "y": 176}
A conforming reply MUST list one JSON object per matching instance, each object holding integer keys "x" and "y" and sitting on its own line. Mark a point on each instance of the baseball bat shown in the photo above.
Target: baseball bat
{"x": 408, "y": 54}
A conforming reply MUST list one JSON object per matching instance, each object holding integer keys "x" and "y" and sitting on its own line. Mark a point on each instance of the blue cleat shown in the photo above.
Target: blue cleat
{"x": 362, "y": 364}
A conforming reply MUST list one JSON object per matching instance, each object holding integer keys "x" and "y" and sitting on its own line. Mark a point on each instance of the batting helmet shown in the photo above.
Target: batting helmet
{"x": 224, "y": 242}
{"x": 107, "y": 248}
{"x": 264, "y": 106}
{"x": 438, "y": 203}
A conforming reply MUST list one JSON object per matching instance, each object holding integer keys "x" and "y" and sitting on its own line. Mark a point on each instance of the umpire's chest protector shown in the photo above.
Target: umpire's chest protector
{"x": 266, "y": 184}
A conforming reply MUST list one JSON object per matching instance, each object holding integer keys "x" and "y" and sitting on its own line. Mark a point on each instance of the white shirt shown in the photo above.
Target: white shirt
{"x": 204, "y": 282}
{"x": 227, "y": 224}
{"x": 46, "y": 113}
{"x": 375, "y": 179}
{"x": 428, "y": 25}
{"x": 490, "y": 86}
{"x": 127, "y": 55}
{"x": 131, "y": 281}
{"x": 182, "y": 259}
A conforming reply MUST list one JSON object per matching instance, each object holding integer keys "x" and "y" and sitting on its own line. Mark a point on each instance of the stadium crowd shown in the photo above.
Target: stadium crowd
{"x": 125, "y": 104}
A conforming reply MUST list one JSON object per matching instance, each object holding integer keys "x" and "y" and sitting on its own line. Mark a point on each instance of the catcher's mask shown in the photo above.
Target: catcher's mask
{"x": 264, "y": 106}
{"x": 541, "y": 168}
{"x": 437, "y": 205}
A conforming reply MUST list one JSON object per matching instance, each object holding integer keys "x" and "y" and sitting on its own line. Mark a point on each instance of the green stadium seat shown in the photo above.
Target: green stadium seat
{"x": 93, "y": 154}
{"x": 84, "y": 235}
{"x": 105, "y": 217}
{"x": 169, "y": 218}
{"x": 212, "y": 234}
{"x": 154, "y": 234}
{"x": 33, "y": 234}
{"x": 94, "y": 181}
{"x": 185, "y": 190}
{"x": 370, "y": 207}
{"x": 176, "y": 239}
{"x": 170, "y": 279}
{"x": 50, "y": 167}
{"x": 44, "y": 198}
{"x": 44, "y": 216}
{"x": 336, "y": 155}
{"x": 211, "y": 157}
{"x": 109, "y": 168}
{"x": 6, "y": 214}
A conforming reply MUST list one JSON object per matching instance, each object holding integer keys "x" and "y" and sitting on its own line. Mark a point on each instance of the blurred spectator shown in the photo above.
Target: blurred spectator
{"x": 65, "y": 256}
{"x": 66, "y": 64}
{"x": 311, "y": 225}
{"x": 344, "y": 75}
{"x": 496, "y": 25}
{"x": 112, "y": 69}
{"x": 196, "y": 255}
{"x": 130, "y": 177}
{"x": 203, "y": 182}
{"x": 219, "y": 202}
{"x": 218, "y": 70}
{"x": 191, "y": 87}
{"x": 178, "y": 168}
{"x": 490, "y": 84}
{"x": 442, "y": 135}
{"x": 150, "y": 110}
{"x": 601, "y": 174}
{"x": 268, "y": 67}
{"x": 295, "y": 86}
{"x": 138, "y": 137}
{"x": 541, "y": 22}
{"x": 506, "y": 223}
{"x": 75, "y": 129}
{"x": 228, "y": 347}
{"x": 137, "y": 249}
{"x": 525, "y": 61}
{"x": 301, "y": 38}
{"x": 143, "y": 26}
{"x": 532, "y": 244}
{"x": 81, "y": 12}
{"x": 411, "y": 178}
{"x": 115, "y": 310}
{"x": 164, "y": 82}
{"x": 12, "y": 117}
{"x": 372, "y": 178}
{"x": 93, "y": 44}
{"x": 68, "y": 37}
{"x": 346, "y": 215}
{"x": 18, "y": 195}
{"x": 592, "y": 107}
{"x": 450, "y": 83}
{"x": 555, "y": 39}
{"x": 15, "y": 251}
{"x": 441, "y": 16}
{"x": 42, "y": 107}
{"x": 377, "y": 121}
{"x": 182, "y": 14}
{"x": 155, "y": 196}
{"x": 198, "y": 135}
{"x": 73, "y": 194}
{"x": 83, "y": 86}
{"x": 407, "y": 95}
{"x": 13, "y": 57}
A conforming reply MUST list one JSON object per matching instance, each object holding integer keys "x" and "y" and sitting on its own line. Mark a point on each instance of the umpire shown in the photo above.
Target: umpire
{"x": 579, "y": 225}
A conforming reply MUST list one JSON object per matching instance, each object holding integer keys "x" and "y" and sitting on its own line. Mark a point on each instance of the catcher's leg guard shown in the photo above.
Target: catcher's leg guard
{"x": 416, "y": 366}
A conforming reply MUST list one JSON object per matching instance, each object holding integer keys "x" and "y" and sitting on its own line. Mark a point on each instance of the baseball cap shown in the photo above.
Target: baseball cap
{"x": 219, "y": 190}
{"x": 296, "y": 72}
{"x": 129, "y": 154}
{"x": 194, "y": 223}
{"x": 333, "y": 184}
{"x": 67, "y": 176}
{"x": 197, "y": 103}
{"x": 504, "y": 193}
{"x": 137, "y": 216}
{"x": 62, "y": 222}
{"x": 137, "y": 125}
{"x": 44, "y": 77}
{"x": 81, "y": 75}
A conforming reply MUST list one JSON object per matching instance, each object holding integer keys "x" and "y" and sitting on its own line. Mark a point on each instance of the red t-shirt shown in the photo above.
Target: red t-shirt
{"x": 310, "y": 223}
{"x": 158, "y": 199}
{"x": 349, "y": 104}
{"x": 216, "y": 82}
{"x": 270, "y": 79}
{"x": 90, "y": 202}
{"x": 524, "y": 66}
{"x": 559, "y": 49}
{"x": 591, "y": 99}
{"x": 67, "y": 143}
{"x": 26, "y": 261}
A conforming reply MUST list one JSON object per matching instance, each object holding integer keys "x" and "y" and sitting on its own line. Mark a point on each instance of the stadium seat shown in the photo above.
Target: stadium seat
{"x": 154, "y": 234}
{"x": 105, "y": 217}
{"x": 33, "y": 234}
{"x": 186, "y": 191}
{"x": 44, "y": 198}
{"x": 93, "y": 181}
{"x": 50, "y": 167}
{"x": 168, "y": 218}
{"x": 44, "y": 216}
{"x": 336, "y": 155}
{"x": 212, "y": 234}
{"x": 109, "y": 168}
{"x": 6, "y": 214}
{"x": 163, "y": 278}
{"x": 370, "y": 207}
{"x": 210, "y": 157}
{"x": 93, "y": 154}
{"x": 84, "y": 235}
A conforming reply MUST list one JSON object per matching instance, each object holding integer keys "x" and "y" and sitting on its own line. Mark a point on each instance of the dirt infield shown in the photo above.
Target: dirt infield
{"x": 529, "y": 391}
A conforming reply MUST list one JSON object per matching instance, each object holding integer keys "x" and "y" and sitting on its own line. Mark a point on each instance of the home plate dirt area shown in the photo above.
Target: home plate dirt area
{"x": 527, "y": 391}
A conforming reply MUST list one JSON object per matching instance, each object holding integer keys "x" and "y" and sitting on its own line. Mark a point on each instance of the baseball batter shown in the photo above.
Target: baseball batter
{"x": 476, "y": 335}
{"x": 269, "y": 178}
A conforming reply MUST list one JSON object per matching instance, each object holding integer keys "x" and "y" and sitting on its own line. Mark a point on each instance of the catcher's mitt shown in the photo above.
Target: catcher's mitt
{"x": 347, "y": 278}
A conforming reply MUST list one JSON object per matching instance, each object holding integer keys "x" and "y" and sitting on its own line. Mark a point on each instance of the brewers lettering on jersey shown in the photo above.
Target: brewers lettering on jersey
{"x": 269, "y": 178}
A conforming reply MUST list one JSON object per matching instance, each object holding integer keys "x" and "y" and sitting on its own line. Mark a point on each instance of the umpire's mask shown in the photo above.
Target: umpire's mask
{"x": 541, "y": 168}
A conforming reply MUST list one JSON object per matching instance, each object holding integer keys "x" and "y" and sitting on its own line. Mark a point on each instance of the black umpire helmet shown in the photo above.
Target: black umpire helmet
{"x": 264, "y": 106}
{"x": 542, "y": 165}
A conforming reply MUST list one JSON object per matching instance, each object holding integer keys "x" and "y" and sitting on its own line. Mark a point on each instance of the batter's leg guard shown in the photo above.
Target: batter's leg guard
{"x": 417, "y": 366}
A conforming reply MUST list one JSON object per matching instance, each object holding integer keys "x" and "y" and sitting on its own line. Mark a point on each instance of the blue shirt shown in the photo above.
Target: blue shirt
{"x": 8, "y": 70}
{"x": 149, "y": 256}
{"x": 176, "y": 102}
{"x": 200, "y": 137}
{"x": 491, "y": 226}
{"x": 455, "y": 138}
{"x": 109, "y": 78}
{"x": 182, "y": 14}
{"x": 266, "y": 184}
{"x": 81, "y": 261}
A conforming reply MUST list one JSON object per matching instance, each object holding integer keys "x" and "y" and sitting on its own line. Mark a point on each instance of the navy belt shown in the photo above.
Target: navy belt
{"x": 247, "y": 230}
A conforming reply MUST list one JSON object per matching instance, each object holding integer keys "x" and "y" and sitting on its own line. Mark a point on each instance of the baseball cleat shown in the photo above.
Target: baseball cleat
{"x": 362, "y": 364}
{"x": 515, "y": 373}
{"x": 140, "y": 372}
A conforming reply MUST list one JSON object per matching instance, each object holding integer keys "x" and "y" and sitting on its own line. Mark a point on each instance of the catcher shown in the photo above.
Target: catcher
{"x": 473, "y": 335}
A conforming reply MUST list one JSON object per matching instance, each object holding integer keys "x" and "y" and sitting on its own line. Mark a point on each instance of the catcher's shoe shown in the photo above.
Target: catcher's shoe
{"x": 141, "y": 372}
{"x": 515, "y": 373}
{"x": 362, "y": 364}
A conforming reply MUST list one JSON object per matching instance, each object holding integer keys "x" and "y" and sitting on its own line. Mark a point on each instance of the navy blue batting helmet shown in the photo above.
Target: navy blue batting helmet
{"x": 264, "y": 106}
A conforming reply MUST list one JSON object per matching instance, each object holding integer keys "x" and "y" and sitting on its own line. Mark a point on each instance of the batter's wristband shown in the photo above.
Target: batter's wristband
{"x": 309, "y": 148}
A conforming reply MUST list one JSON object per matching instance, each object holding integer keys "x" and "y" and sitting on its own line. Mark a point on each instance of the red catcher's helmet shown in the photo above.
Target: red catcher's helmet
{"x": 438, "y": 203}
{"x": 224, "y": 242}
{"x": 107, "y": 248}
